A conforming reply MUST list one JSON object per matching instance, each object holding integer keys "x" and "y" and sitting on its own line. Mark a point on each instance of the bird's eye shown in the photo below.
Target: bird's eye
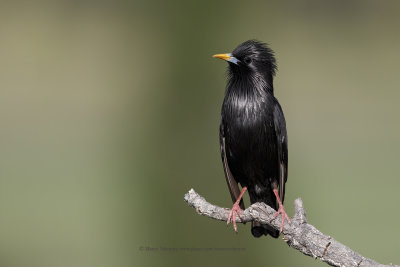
{"x": 247, "y": 60}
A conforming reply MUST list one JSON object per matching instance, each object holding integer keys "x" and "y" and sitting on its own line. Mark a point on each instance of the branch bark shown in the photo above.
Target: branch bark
{"x": 299, "y": 234}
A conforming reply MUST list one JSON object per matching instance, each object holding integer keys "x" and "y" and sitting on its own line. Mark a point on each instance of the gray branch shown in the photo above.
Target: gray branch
{"x": 299, "y": 234}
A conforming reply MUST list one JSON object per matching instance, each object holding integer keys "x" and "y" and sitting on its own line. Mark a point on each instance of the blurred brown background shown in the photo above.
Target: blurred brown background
{"x": 109, "y": 114}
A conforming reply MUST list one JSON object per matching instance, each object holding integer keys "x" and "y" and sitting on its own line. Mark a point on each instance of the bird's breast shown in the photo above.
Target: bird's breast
{"x": 248, "y": 123}
{"x": 245, "y": 113}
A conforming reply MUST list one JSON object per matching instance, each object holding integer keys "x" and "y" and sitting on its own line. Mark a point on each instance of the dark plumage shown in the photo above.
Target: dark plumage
{"x": 253, "y": 135}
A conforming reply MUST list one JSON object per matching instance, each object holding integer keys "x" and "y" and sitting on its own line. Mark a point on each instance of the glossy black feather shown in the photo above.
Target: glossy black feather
{"x": 253, "y": 136}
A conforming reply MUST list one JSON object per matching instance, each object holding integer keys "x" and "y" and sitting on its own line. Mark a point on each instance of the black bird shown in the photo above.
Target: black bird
{"x": 253, "y": 136}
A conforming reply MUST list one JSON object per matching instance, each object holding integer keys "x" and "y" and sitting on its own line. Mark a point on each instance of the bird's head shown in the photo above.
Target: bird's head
{"x": 251, "y": 59}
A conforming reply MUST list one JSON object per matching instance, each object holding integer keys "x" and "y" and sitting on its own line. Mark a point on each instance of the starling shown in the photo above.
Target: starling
{"x": 253, "y": 138}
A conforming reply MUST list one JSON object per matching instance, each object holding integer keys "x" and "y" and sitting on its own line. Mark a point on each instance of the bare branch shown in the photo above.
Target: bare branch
{"x": 299, "y": 234}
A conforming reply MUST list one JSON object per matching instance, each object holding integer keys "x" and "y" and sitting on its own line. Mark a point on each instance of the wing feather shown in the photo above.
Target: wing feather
{"x": 281, "y": 135}
{"x": 230, "y": 180}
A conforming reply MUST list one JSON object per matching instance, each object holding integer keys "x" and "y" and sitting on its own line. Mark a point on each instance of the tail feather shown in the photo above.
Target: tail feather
{"x": 257, "y": 230}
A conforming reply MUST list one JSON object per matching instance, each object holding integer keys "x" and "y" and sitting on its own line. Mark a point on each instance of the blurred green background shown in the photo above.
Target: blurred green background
{"x": 109, "y": 114}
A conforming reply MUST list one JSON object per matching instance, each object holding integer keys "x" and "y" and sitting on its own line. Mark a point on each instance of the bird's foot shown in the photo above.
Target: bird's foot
{"x": 281, "y": 211}
{"x": 284, "y": 216}
{"x": 236, "y": 209}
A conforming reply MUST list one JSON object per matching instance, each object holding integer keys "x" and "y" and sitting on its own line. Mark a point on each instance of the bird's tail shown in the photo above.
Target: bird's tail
{"x": 258, "y": 230}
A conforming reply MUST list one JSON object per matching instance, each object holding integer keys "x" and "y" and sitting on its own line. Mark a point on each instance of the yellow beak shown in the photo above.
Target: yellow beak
{"x": 228, "y": 57}
{"x": 223, "y": 56}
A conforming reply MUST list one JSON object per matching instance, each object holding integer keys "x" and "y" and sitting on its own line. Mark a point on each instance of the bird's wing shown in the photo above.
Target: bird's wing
{"x": 280, "y": 130}
{"x": 230, "y": 180}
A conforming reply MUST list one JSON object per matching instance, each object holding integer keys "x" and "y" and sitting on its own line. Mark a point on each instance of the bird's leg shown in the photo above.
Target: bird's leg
{"x": 281, "y": 211}
{"x": 236, "y": 209}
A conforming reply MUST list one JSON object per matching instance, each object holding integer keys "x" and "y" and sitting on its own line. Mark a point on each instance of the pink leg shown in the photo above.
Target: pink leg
{"x": 236, "y": 209}
{"x": 281, "y": 210}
